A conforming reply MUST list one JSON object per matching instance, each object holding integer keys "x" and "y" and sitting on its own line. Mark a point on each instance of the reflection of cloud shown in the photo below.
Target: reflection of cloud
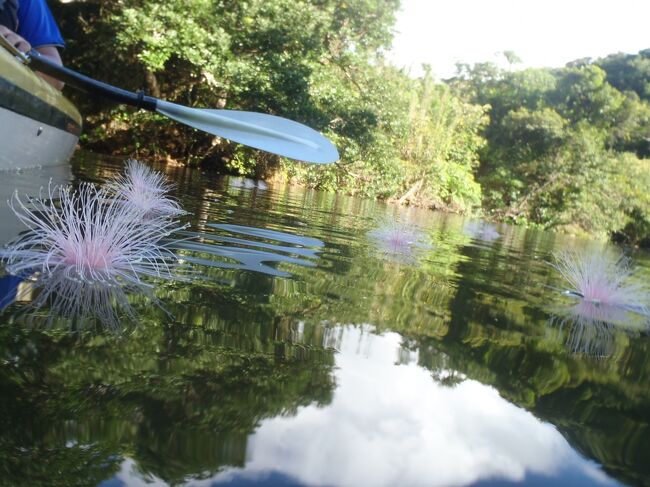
{"x": 133, "y": 478}
{"x": 392, "y": 425}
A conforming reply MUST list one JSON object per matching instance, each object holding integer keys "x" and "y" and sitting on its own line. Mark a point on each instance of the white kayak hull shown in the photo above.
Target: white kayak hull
{"x": 29, "y": 143}
{"x": 39, "y": 130}
{"x": 38, "y": 126}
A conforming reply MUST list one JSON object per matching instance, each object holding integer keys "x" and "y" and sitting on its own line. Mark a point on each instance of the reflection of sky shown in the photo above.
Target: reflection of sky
{"x": 393, "y": 424}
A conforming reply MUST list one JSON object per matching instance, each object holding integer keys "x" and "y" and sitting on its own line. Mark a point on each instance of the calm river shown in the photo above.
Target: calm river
{"x": 312, "y": 346}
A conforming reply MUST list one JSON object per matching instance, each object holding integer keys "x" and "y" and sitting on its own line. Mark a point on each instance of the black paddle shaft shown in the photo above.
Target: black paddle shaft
{"x": 89, "y": 85}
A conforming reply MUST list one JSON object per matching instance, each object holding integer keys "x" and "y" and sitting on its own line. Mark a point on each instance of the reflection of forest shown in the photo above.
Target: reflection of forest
{"x": 600, "y": 405}
{"x": 479, "y": 311}
{"x": 181, "y": 396}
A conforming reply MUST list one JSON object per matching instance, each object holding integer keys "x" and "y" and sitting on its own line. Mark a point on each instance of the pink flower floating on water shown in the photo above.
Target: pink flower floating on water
{"x": 607, "y": 301}
{"x": 602, "y": 280}
{"x": 86, "y": 250}
{"x": 481, "y": 230}
{"x": 91, "y": 237}
{"x": 146, "y": 190}
{"x": 398, "y": 240}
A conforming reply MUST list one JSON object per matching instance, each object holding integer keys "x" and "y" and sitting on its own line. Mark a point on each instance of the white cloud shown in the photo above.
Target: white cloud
{"x": 549, "y": 33}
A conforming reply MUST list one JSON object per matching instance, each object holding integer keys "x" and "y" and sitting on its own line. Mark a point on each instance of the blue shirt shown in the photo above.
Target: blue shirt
{"x": 36, "y": 24}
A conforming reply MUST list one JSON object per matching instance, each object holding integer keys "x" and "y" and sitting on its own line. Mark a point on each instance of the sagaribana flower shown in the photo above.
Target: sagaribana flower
{"x": 85, "y": 251}
{"x": 398, "y": 240}
{"x": 603, "y": 280}
{"x": 481, "y": 230}
{"x": 606, "y": 301}
{"x": 146, "y": 190}
{"x": 91, "y": 237}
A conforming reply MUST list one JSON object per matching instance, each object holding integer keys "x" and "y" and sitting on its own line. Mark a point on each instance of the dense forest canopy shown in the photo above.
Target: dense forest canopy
{"x": 565, "y": 148}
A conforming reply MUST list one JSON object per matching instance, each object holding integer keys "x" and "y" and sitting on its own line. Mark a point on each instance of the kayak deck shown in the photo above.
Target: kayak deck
{"x": 40, "y": 126}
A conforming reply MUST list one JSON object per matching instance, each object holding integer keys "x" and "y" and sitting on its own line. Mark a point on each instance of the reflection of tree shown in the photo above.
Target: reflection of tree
{"x": 496, "y": 336}
{"x": 478, "y": 312}
{"x": 180, "y": 398}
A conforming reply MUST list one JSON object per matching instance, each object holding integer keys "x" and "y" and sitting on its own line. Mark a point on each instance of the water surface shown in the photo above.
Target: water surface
{"x": 312, "y": 350}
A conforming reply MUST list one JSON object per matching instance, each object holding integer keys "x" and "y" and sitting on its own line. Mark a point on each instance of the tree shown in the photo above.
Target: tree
{"x": 628, "y": 72}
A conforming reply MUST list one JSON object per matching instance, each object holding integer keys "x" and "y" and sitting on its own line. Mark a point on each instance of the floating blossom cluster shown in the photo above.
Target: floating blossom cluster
{"x": 146, "y": 190}
{"x": 481, "y": 230}
{"x": 398, "y": 240}
{"x": 606, "y": 299}
{"x": 602, "y": 280}
{"x": 84, "y": 250}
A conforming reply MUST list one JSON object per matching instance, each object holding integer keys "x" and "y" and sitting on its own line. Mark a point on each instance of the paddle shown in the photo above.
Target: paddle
{"x": 266, "y": 132}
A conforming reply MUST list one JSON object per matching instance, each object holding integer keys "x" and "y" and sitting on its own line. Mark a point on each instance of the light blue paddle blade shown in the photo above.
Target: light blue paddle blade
{"x": 269, "y": 133}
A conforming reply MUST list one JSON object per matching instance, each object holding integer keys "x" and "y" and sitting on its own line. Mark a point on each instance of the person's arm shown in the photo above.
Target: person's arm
{"x": 50, "y": 52}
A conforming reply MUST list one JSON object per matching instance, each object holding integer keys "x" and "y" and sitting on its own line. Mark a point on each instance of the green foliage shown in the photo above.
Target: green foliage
{"x": 583, "y": 94}
{"x": 442, "y": 143}
{"x": 315, "y": 62}
{"x": 536, "y": 146}
{"x": 629, "y": 72}
{"x": 565, "y": 147}
{"x": 421, "y": 146}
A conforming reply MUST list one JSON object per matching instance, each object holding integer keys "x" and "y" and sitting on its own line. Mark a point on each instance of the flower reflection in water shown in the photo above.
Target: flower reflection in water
{"x": 606, "y": 301}
{"x": 84, "y": 303}
{"x": 590, "y": 329}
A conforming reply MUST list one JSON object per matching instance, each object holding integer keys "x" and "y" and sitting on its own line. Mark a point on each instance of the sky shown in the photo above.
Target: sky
{"x": 546, "y": 33}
